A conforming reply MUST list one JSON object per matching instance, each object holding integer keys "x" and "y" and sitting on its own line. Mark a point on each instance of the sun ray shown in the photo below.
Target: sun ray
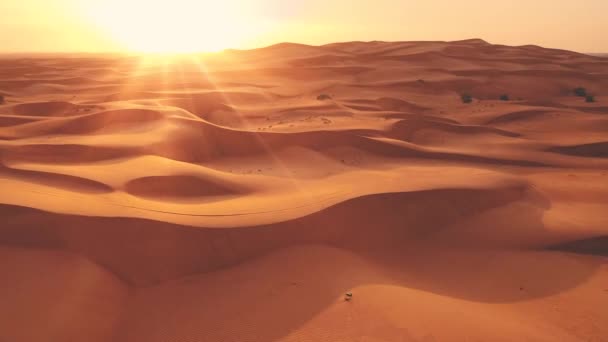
{"x": 268, "y": 150}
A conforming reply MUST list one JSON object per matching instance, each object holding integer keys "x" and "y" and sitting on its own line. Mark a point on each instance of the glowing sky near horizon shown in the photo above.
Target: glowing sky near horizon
{"x": 204, "y": 25}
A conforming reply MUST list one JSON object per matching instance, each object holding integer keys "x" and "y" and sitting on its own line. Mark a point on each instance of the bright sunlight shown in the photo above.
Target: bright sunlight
{"x": 178, "y": 26}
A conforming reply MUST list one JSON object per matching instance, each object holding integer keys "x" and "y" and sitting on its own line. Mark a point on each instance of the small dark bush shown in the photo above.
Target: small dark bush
{"x": 504, "y": 97}
{"x": 1, "y": 99}
{"x": 590, "y": 98}
{"x": 581, "y": 92}
{"x": 466, "y": 98}
{"x": 323, "y": 97}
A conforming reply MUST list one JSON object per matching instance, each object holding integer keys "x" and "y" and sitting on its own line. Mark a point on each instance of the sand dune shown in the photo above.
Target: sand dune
{"x": 599, "y": 149}
{"x": 238, "y": 196}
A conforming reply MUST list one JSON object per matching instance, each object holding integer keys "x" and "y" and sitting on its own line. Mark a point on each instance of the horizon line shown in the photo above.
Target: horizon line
{"x": 137, "y": 53}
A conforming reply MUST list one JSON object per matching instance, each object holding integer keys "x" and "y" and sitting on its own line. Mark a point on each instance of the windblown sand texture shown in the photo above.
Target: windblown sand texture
{"x": 217, "y": 198}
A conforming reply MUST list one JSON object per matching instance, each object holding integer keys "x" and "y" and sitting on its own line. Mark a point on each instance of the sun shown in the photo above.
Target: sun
{"x": 174, "y": 26}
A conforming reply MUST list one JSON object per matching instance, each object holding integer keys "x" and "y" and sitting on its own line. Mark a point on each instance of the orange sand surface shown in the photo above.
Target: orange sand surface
{"x": 221, "y": 198}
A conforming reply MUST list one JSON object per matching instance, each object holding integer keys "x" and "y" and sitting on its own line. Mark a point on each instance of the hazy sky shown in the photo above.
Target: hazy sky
{"x": 199, "y": 25}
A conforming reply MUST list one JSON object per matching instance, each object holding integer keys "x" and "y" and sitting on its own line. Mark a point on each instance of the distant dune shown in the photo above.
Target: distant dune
{"x": 238, "y": 196}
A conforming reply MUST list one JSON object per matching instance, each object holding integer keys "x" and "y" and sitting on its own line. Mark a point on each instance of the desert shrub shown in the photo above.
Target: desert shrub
{"x": 1, "y": 99}
{"x": 590, "y": 98}
{"x": 323, "y": 97}
{"x": 504, "y": 97}
{"x": 466, "y": 98}
{"x": 581, "y": 92}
